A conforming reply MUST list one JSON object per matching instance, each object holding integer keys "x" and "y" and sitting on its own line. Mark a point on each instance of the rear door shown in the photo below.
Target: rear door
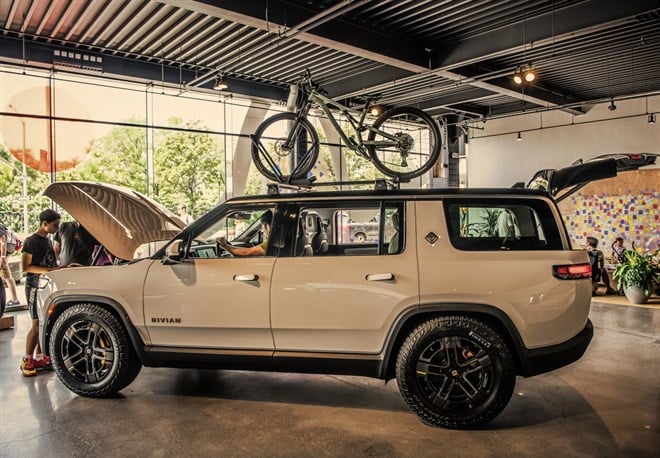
{"x": 347, "y": 299}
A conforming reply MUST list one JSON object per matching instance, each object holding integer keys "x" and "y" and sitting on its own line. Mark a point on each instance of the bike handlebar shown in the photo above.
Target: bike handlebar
{"x": 306, "y": 82}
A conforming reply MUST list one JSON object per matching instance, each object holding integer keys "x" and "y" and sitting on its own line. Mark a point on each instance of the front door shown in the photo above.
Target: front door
{"x": 210, "y": 303}
{"x": 208, "y": 298}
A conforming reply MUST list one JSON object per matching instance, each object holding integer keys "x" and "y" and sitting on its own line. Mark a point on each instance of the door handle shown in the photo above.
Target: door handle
{"x": 380, "y": 277}
{"x": 246, "y": 277}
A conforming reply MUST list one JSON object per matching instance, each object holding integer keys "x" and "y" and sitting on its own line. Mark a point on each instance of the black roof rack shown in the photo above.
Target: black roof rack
{"x": 306, "y": 185}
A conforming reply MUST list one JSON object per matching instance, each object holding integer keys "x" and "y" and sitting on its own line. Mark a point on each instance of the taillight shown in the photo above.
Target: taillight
{"x": 572, "y": 271}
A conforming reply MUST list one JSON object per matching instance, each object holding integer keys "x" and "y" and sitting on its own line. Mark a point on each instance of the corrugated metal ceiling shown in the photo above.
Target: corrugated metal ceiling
{"x": 443, "y": 56}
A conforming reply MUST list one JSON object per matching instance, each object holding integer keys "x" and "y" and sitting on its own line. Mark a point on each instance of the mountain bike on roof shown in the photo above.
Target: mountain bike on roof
{"x": 403, "y": 142}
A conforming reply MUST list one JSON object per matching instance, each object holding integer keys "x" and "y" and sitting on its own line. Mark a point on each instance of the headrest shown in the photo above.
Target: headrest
{"x": 395, "y": 220}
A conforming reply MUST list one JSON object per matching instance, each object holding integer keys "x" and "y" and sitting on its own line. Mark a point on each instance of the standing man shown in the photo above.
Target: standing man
{"x": 38, "y": 258}
{"x": 5, "y": 271}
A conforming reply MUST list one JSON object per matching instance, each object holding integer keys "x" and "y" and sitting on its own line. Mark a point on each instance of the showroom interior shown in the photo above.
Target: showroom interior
{"x": 163, "y": 97}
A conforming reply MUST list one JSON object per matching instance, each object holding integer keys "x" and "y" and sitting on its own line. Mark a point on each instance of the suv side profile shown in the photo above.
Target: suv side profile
{"x": 456, "y": 293}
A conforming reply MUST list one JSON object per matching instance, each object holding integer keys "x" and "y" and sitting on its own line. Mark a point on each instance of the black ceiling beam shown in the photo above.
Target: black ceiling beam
{"x": 452, "y": 98}
{"x": 469, "y": 109}
{"x": 338, "y": 34}
{"x": 581, "y": 17}
{"x": 42, "y": 54}
{"x": 365, "y": 80}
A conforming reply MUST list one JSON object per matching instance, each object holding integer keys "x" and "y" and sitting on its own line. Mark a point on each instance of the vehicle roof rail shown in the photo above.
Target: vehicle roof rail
{"x": 306, "y": 185}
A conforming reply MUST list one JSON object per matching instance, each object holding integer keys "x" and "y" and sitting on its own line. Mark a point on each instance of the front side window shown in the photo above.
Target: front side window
{"x": 240, "y": 227}
{"x": 497, "y": 225}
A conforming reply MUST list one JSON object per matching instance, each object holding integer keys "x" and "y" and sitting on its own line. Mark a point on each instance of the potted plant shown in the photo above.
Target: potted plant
{"x": 636, "y": 275}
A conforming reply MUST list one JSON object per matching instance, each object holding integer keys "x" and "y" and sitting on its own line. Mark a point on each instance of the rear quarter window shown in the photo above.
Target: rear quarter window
{"x": 512, "y": 224}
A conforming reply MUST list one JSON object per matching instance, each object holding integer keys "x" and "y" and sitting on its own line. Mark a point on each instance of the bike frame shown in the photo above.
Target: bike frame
{"x": 358, "y": 126}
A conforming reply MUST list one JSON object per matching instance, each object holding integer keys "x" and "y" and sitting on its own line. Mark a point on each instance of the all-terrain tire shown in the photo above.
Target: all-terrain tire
{"x": 456, "y": 372}
{"x": 91, "y": 351}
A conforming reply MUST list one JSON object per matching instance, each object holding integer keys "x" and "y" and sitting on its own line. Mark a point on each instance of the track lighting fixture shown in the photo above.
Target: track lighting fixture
{"x": 376, "y": 110}
{"x": 220, "y": 83}
{"x": 524, "y": 74}
{"x": 652, "y": 118}
{"x": 530, "y": 75}
{"x": 612, "y": 107}
{"x": 518, "y": 76}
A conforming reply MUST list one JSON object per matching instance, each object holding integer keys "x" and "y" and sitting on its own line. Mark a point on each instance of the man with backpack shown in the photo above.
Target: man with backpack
{"x": 8, "y": 245}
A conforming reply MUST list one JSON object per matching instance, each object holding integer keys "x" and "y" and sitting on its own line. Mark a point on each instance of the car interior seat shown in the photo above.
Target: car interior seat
{"x": 303, "y": 245}
{"x": 394, "y": 245}
{"x": 316, "y": 230}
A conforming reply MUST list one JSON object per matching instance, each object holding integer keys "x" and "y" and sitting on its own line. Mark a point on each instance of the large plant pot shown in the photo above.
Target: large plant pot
{"x": 635, "y": 294}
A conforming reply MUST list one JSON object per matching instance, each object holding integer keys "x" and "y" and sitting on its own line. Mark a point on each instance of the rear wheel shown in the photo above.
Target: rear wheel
{"x": 274, "y": 157}
{"x": 455, "y": 372}
{"x": 91, "y": 352}
{"x": 406, "y": 143}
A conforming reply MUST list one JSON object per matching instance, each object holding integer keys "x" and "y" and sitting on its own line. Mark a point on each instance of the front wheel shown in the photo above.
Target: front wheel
{"x": 282, "y": 141}
{"x": 404, "y": 142}
{"x": 91, "y": 352}
{"x": 455, "y": 372}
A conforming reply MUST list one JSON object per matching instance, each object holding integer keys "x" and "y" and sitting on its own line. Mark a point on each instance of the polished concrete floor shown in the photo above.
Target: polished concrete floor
{"x": 606, "y": 404}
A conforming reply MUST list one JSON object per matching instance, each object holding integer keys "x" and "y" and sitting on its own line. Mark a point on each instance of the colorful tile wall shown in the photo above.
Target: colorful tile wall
{"x": 633, "y": 216}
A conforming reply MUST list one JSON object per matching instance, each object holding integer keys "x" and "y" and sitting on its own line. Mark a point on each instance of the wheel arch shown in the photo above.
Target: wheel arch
{"x": 411, "y": 319}
{"x": 112, "y": 306}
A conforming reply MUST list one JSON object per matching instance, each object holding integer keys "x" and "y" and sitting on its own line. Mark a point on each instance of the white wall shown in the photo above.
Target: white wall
{"x": 555, "y": 139}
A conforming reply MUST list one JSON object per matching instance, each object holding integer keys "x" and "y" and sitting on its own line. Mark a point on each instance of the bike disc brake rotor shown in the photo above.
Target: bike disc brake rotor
{"x": 281, "y": 149}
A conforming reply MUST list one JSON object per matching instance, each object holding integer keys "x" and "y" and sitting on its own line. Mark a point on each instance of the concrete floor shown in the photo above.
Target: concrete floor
{"x": 606, "y": 404}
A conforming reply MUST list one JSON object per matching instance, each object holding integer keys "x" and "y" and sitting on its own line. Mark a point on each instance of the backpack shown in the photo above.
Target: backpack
{"x": 13, "y": 243}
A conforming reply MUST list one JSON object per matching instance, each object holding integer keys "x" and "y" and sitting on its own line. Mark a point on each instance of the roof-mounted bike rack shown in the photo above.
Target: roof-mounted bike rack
{"x": 307, "y": 184}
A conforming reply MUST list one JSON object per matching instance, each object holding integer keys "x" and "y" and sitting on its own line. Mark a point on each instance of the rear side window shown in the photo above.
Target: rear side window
{"x": 517, "y": 224}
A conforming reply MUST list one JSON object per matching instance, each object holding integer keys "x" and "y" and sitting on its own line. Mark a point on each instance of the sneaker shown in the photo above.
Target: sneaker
{"x": 43, "y": 364}
{"x": 12, "y": 303}
{"x": 28, "y": 366}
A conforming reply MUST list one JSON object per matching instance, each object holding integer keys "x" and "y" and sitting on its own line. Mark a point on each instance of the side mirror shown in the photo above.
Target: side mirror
{"x": 173, "y": 253}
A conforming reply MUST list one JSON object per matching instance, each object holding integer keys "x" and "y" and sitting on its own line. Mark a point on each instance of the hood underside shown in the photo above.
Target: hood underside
{"x": 119, "y": 218}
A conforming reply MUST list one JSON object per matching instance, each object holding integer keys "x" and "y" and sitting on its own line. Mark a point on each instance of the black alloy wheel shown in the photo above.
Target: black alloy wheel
{"x": 91, "y": 352}
{"x": 456, "y": 372}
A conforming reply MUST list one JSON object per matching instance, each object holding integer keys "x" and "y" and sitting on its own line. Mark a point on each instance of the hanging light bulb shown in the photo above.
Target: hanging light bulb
{"x": 375, "y": 110}
{"x": 220, "y": 83}
{"x": 518, "y": 76}
{"x": 652, "y": 118}
{"x": 519, "y": 138}
{"x": 530, "y": 74}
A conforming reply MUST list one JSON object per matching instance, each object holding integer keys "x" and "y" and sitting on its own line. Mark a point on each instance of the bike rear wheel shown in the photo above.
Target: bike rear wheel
{"x": 274, "y": 157}
{"x": 405, "y": 143}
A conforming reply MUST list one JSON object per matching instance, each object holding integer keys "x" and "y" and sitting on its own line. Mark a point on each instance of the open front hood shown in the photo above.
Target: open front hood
{"x": 120, "y": 218}
{"x": 560, "y": 183}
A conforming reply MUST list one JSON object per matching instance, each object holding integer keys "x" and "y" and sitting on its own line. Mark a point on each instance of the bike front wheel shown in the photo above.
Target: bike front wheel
{"x": 404, "y": 142}
{"x": 285, "y": 147}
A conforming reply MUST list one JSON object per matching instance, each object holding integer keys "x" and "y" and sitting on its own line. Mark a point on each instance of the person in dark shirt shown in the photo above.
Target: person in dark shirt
{"x": 73, "y": 244}
{"x": 38, "y": 257}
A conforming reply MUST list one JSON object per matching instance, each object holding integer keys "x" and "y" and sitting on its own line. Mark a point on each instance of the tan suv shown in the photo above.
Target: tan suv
{"x": 456, "y": 293}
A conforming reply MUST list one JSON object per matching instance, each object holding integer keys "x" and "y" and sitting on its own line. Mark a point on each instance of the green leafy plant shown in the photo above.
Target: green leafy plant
{"x": 637, "y": 270}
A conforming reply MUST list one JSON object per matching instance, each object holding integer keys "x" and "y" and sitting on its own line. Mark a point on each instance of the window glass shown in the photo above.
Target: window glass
{"x": 352, "y": 230}
{"x": 241, "y": 227}
{"x": 514, "y": 225}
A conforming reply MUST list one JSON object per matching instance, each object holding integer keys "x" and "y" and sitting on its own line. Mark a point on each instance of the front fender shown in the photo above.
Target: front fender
{"x": 58, "y": 304}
